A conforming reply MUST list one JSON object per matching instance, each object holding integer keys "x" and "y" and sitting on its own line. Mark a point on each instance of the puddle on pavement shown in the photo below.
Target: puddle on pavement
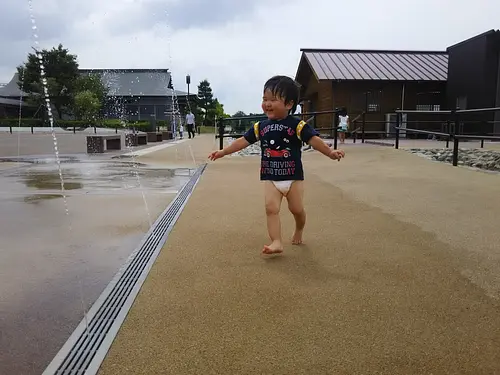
{"x": 62, "y": 262}
{"x": 85, "y": 176}
{"x": 49, "y": 181}
{"x": 37, "y": 198}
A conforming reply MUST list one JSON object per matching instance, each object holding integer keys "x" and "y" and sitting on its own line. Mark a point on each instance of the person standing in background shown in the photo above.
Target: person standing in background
{"x": 343, "y": 124}
{"x": 190, "y": 124}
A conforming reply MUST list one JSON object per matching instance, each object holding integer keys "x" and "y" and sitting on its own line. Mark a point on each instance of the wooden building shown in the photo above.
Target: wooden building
{"x": 377, "y": 82}
{"x": 465, "y": 76}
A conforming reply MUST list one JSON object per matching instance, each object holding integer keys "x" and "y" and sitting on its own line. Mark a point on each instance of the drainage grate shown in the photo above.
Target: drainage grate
{"x": 86, "y": 348}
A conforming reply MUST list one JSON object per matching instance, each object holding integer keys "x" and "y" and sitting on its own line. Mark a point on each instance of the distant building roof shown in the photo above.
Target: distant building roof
{"x": 121, "y": 82}
{"x": 11, "y": 88}
{"x": 13, "y": 102}
{"x": 490, "y": 33}
{"x": 136, "y": 82}
{"x": 376, "y": 65}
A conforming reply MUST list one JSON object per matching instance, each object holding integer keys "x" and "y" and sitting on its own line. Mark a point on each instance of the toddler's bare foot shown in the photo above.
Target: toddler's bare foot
{"x": 297, "y": 237}
{"x": 274, "y": 248}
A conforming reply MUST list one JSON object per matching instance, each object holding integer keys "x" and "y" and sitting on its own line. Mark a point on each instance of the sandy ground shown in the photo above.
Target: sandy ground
{"x": 396, "y": 276}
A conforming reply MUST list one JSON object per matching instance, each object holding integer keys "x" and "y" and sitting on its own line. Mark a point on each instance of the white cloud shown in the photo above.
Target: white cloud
{"x": 251, "y": 42}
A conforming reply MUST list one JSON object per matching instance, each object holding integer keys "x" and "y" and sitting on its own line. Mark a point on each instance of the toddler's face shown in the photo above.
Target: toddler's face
{"x": 274, "y": 107}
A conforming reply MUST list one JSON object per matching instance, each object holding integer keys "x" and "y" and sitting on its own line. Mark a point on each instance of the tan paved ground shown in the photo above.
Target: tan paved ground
{"x": 392, "y": 279}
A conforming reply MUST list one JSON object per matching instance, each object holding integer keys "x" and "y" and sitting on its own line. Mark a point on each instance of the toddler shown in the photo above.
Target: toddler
{"x": 281, "y": 137}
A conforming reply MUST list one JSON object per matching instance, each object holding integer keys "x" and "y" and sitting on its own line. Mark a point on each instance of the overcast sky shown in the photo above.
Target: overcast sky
{"x": 235, "y": 44}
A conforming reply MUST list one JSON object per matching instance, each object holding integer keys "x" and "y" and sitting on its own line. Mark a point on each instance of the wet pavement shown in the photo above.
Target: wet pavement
{"x": 41, "y": 142}
{"x": 55, "y": 263}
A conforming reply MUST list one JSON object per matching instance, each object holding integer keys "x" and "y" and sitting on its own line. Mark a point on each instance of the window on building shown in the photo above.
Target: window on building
{"x": 132, "y": 110}
{"x": 147, "y": 112}
{"x": 428, "y": 107}
{"x": 429, "y": 101}
{"x": 373, "y": 101}
{"x": 461, "y": 102}
{"x": 114, "y": 109}
{"x": 161, "y": 112}
{"x": 365, "y": 101}
{"x": 357, "y": 102}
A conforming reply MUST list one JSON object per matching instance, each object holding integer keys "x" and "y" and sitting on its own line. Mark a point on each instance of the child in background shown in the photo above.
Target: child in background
{"x": 343, "y": 124}
{"x": 281, "y": 137}
{"x": 181, "y": 130}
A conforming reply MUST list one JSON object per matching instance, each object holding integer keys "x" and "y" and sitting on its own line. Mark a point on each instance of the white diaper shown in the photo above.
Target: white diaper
{"x": 283, "y": 186}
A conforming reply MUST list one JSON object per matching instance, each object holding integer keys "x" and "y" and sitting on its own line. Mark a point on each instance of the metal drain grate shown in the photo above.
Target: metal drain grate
{"x": 86, "y": 348}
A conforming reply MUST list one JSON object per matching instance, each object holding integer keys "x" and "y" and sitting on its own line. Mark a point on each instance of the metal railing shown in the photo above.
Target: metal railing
{"x": 453, "y": 126}
{"x": 455, "y": 136}
{"x": 220, "y": 123}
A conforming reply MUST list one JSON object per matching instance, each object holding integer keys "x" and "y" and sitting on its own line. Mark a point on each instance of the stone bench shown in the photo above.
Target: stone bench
{"x": 98, "y": 144}
{"x": 167, "y": 135}
{"x": 155, "y": 137}
{"x": 135, "y": 139}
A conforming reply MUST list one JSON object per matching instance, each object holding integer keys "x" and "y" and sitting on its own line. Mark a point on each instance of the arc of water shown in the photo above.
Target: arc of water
{"x": 21, "y": 93}
{"x": 136, "y": 165}
{"x": 173, "y": 103}
{"x": 119, "y": 108}
{"x": 47, "y": 103}
{"x": 175, "y": 109}
{"x": 54, "y": 137}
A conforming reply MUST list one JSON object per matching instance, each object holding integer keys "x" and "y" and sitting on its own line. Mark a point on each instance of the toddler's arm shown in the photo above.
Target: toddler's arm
{"x": 236, "y": 146}
{"x": 318, "y": 144}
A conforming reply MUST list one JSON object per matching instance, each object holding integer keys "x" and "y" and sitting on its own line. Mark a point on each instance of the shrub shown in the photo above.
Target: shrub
{"x": 115, "y": 123}
{"x": 162, "y": 123}
{"x": 108, "y": 123}
{"x": 25, "y": 122}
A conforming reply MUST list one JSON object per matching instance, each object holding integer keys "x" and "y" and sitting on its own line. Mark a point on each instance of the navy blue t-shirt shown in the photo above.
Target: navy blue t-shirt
{"x": 281, "y": 155}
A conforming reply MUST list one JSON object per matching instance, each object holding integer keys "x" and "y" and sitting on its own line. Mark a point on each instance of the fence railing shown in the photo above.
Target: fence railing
{"x": 77, "y": 129}
{"x": 455, "y": 135}
{"x": 454, "y": 126}
{"x": 309, "y": 117}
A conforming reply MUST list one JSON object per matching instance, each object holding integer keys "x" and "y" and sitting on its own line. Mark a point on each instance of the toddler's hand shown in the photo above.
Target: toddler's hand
{"x": 216, "y": 155}
{"x": 337, "y": 154}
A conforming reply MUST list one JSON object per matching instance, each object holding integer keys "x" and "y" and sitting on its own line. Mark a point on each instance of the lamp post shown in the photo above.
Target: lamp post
{"x": 188, "y": 82}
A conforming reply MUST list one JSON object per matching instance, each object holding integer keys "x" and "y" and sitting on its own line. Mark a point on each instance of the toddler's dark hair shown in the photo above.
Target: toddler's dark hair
{"x": 284, "y": 87}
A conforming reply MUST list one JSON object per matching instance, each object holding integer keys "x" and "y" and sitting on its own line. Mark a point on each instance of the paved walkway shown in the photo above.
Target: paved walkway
{"x": 393, "y": 278}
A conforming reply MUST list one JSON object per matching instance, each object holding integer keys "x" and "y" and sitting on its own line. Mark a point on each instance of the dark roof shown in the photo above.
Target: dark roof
{"x": 122, "y": 82}
{"x": 13, "y": 102}
{"x": 489, "y": 33}
{"x": 136, "y": 82}
{"x": 377, "y": 65}
{"x": 11, "y": 88}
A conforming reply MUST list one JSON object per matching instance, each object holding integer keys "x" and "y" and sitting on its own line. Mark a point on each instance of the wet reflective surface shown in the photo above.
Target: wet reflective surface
{"x": 54, "y": 265}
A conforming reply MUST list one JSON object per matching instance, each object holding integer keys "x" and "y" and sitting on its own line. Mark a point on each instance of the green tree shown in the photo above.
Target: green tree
{"x": 61, "y": 73}
{"x": 87, "y": 105}
{"x": 92, "y": 83}
{"x": 216, "y": 111}
{"x": 239, "y": 114}
{"x": 206, "y": 101}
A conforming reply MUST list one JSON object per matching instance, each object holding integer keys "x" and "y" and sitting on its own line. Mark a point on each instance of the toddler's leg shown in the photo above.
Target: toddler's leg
{"x": 273, "y": 199}
{"x": 296, "y": 206}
